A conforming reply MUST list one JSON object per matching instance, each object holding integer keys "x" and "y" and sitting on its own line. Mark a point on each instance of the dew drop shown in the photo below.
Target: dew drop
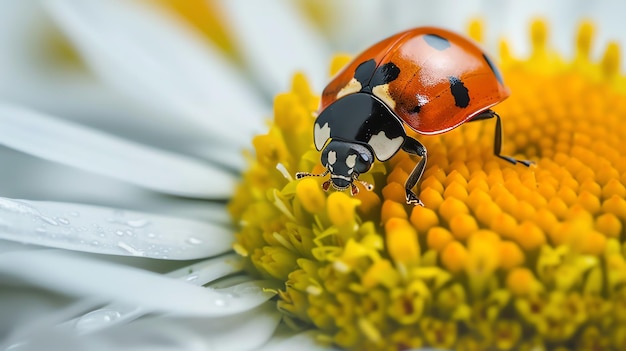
{"x": 129, "y": 232}
{"x": 63, "y": 220}
{"x": 96, "y": 319}
{"x": 119, "y": 233}
{"x": 48, "y": 220}
{"x": 151, "y": 235}
{"x": 220, "y": 302}
{"x": 41, "y": 229}
{"x": 191, "y": 277}
{"x": 95, "y": 243}
{"x": 131, "y": 250}
{"x": 194, "y": 241}
{"x": 137, "y": 223}
{"x": 74, "y": 214}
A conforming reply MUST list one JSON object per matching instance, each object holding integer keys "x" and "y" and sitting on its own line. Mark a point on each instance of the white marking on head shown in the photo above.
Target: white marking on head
{"x": 321, "y": 135}
{"x": 353, "y": 86}
{"x": 351, "y": 161}
{"x": 385, "y": 147}
{"x": 382, "y": 92}
{"x": 332, "y": 157}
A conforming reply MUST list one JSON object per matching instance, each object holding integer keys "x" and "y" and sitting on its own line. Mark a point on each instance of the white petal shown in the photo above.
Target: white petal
{"x": 34, "y": 178}
{"x": 276, "y": 42}
{"x": 74, "y": 274}
{"x": 110, "y": 231}
{"x": 97, "y": 152}
{"x": 244, "y": 331}
{"x": 149, "y": 57}
{"x": 287, "y": 341}
{"x": 34, "y": 75}
{"x": 115, "y": 313}
{"x": 21, "y": 305}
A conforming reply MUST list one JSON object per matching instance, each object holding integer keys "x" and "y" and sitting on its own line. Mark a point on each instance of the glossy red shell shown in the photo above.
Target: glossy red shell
{"x": 422, "y": 91}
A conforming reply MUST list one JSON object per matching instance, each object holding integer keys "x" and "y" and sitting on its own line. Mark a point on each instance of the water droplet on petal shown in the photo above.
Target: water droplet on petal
{"x": 137, "y": 223}
{"x": 41, "y": 229}
{"x": 191, "y": 277}
{"x": 220, "y": 302}
{"x": 74, "y": 214}
{"x": 96, "y": 319}
{"x": 194, "y": 241}
{"x": 63, "y": 220}
{"x": 48, "y": 220}
{"x": 131, "y": 250}
{"x": 119, "y": 233}
{"x": 151, "y": 235}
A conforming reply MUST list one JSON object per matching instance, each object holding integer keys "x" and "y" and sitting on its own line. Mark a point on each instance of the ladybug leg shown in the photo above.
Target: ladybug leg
{"x": 414, "y": 147}
{"x": 354, "y": 190}
{"x": 301, "y": 175}
{"x": 497, "y": 139}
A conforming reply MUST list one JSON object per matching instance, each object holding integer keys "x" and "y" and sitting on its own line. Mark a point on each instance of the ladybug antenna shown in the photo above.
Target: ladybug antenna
{"x": 368, "y": 186}
{"x": 301, "y": 175}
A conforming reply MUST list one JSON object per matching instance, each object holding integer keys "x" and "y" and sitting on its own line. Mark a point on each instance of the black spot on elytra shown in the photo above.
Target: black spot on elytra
{"x": 385, "y": 74}
{"x": 494, "y": 69}
{"x": 459, "y": 91}
{"x": 416, "y": 109}
{"x": 363, "y": 73}
{"x": 436, "y": 41}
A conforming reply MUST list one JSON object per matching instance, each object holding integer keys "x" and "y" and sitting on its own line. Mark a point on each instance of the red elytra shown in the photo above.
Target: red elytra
{"x": 428, "y": 58}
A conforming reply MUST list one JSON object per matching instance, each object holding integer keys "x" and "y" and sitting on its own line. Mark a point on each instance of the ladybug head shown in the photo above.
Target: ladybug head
{"x": 345, "y": 161}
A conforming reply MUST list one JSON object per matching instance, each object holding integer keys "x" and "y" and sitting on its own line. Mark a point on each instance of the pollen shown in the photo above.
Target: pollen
{"x": 501, "y": 256}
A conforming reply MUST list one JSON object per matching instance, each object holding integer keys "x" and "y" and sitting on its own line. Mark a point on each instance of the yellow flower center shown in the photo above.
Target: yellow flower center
{"x": 500, "y": 257}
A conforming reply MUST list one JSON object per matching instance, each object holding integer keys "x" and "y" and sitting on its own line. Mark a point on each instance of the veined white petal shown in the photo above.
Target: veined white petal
{"x": 115, "y": 313}
{"x": 21, "y": 305}
{"x": 91, "y": 150}
{"x": 110, "y": 231}
{"x": 9, "y": 246}
{"x": 240, "y": 332}
{"x": 33, "y": 178}
{"x": 35, "y": 74}
{"x": 148, "y": 56}
{"x": 73, "y": 274}
{"x": 227, "y": 333}
{"x": 277, "y": 42}
{"x": 287, "y": 341}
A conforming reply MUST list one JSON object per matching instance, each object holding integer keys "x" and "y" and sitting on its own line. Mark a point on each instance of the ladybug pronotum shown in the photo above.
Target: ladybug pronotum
{"x": 430, "y": 79}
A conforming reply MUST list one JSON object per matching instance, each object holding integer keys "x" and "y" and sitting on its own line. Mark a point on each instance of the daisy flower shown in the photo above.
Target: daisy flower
{"x": 154, "y": 103}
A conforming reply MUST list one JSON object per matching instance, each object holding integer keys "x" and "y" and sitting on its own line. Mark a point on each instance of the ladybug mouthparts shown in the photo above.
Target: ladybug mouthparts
{"x": 345, "y": 161}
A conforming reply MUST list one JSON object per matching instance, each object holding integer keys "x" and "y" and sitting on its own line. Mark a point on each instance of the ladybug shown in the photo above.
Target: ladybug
{"x": 427, "y": 78}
